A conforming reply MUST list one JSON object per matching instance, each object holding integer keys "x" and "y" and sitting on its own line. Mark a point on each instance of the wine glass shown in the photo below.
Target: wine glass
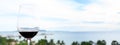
{"x": 27, "y": 24}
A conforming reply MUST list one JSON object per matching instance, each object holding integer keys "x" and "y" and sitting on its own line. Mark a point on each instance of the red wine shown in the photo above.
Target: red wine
{"x": 28, "y": 34}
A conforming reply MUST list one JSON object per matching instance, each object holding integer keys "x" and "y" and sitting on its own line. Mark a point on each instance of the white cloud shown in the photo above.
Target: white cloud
{"x": 8, "y": 6}
{"x": 8, "y": 23}
{"x": 102, "y": 10}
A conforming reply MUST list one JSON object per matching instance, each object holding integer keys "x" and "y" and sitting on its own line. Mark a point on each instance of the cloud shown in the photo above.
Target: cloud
{"x": 15, "y": 15}
{"x": 95, "y": 22}
{"x": 8, "y": 23}
{"x": 54, "y": 19}
{"x": 89, "y": 14}
{"x": 82, "y": 28}
{"x": 83, "y": 1}
{"x": 8, "y": 6}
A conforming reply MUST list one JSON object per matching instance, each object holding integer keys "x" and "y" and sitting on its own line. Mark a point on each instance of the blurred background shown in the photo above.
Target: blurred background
{"x": 63, "y": 21}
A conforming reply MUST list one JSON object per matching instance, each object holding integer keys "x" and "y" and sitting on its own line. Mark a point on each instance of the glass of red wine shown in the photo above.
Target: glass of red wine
{"x": 27, "y": 24}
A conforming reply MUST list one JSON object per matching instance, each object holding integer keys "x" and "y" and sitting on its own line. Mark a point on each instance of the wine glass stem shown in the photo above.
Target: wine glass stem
{"x": 28, "y": 41}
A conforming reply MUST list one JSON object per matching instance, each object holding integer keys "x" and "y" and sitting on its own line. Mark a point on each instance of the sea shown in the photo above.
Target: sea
{"x": 68, "y": 37}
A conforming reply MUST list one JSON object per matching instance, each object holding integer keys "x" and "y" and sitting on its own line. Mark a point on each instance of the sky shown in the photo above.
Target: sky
{"x": 61, "y": 15}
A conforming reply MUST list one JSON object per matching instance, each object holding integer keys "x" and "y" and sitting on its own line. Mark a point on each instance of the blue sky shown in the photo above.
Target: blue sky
{"x": 63, "y": 15}
{"x": 83, "y": 1}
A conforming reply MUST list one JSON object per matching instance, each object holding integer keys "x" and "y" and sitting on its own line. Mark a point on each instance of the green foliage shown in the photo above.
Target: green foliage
{"x": 9, "y": 41}
{"x": 58, "y": 42}
{"x": 3, "y": 41}
{"x": 42, "y": 42}
{"x": 75, "y": 43}
{"x": 83, "y": 43}
{"x": 86, "y": 43}
{"x": 62, "y": 43}
{"x": 51, "y": 42}
{"x": 99, "y": 42}
{"x": 114, "y": 42}
{"x": 91, "y": 42}
{"x": 24, "y": 42}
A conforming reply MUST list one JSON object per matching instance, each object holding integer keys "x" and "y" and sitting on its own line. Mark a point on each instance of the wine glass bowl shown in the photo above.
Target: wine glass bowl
{"x": 28, "y": 32}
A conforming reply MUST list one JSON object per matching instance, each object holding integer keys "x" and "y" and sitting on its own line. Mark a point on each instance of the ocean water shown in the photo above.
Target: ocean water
{"x": 69, "y": 37}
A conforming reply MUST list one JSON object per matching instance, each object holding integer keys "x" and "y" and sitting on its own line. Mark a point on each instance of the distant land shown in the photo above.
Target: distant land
{"x": 70, "y": 36}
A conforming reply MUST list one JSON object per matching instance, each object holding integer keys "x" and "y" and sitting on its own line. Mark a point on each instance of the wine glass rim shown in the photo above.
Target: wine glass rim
{"x": 28, "y": 29}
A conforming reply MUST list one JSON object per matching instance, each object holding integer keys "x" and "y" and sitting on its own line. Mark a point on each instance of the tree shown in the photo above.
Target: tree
{"x": 114, "y": 42}
{"x": 103, "y": 42}
{"x": 73, "y": 43}
{"x": 99, "y": 42}
{"x": 23, "y": 42}
{"x": 83, "y": 43}
{"x": 3, "y": 41}
{"x": 42, "y": 42}
{"x": 62, "y": 43}
{"x": 58, "y": 42}
{"x": 9, "y": 41}
{"x": 86, "y": 43}
{"x": 51, "y": 42}
{"x": 91, "y": 42}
